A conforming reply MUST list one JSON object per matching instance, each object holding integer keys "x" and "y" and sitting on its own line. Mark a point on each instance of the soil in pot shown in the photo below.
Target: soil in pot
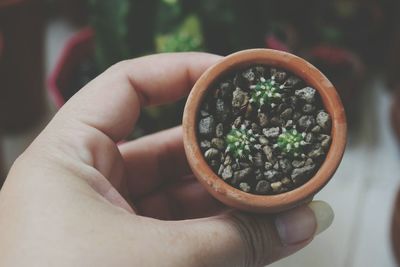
{"x": 263, "y": 130}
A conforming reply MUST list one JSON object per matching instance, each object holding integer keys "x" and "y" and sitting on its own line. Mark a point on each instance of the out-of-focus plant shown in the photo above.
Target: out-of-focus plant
{"x": 131, "y": 28}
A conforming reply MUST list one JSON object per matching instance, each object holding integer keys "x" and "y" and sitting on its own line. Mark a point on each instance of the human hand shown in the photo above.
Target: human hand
{"x": 65, "y": 201}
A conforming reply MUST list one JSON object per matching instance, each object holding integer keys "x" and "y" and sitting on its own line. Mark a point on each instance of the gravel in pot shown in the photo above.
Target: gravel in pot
{"x": 263, "y": 130}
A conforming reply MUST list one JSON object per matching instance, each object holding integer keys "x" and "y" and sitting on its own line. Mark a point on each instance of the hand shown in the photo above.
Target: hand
{"x": 75, "y": 198}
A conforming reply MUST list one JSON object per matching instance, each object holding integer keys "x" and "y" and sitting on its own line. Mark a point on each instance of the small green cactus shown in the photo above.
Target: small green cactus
{"x": 291, "y": 142}
{"x": 265, "y": 92}
{"x": 240, "y": 143}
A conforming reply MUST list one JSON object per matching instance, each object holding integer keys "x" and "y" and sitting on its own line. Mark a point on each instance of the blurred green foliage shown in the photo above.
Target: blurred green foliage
{"x": 358, "y": 29}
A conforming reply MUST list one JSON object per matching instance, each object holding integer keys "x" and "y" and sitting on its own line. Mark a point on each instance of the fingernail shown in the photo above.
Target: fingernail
{"x": 323, "y": 214}
{"x": 303, "y": 223}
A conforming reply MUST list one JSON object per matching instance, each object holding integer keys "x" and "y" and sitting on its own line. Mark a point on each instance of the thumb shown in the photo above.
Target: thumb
{"x": 238, "y": 239}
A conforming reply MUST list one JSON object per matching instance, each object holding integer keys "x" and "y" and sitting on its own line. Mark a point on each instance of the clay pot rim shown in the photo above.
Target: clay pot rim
{"x": 54, "y": 85}
{"x": 264, "y": 203}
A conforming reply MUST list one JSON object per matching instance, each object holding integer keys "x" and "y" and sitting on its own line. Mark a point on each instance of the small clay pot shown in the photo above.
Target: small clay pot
{"x": 264, "y": 203}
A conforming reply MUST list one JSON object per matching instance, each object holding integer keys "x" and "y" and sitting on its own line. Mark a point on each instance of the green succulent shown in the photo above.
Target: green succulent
{"x": 291, "y": 142}
{"x": 240, "y": 142}
{"x": 265, "y": 92}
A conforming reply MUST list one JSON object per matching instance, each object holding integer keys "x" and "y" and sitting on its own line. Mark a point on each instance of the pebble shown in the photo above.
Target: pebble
{"x": 271, "y": 175}
{"x": 325, "y": 141}
{"x": 308, "y": 162}
{"x": 246, "y": 123}
{"x": 225, "y": 89}
{"x": 239, "y": 81}
{"x": 292, "y": 81}
{"x": 276, "y": 187}
{"x": 271, "y": 132}
{"x": 258, "y": 160}
{"x": 298, "y": 163}
{"x": 299, "y": 174}
{"x": 268, "y": 165}
{"x": 324, "y": 120}
{"x": 286, "y": 181}
{"x": 219, "y": 130}
{"x": 281, "y": 107}
{"x": 220, "y": 170}
{"x": 227, "y": 173}
{"x": 255, "y": 128}
{"x": 249, "y": 75}
{"x": 207, "y": 126}
{"x": 296, "y": 116}
{"x": 218, "y": 143}
{"x": 245, "y": 187}
{"x": 227, "y": 160}
{"x": 305, "y": 122}
{"x": 276, "y": 121}
{"x": 239, "y": 99}
{"x": 276, "y": 166}
{"x": 244, "y": 164}
{"x": 263, "y": 187}
{"x": 286, "y": 114}
{"x": 285, "y": 165}
{"x": 289, "y": 124}
{"x": 262, "y": 119}
{"x": 316, "y": 152}
{"x": 316, "y": 129}
{"x": 268, "y": 152}
{"x": 204, "y": 113}
{"x": 280, "y": 76}
{"x": 222, "y": 110}
{"x": 309, "y": 138}
{"x": 249, "y": 111}
{"x": 263, "y": 140}
{"x": 259, "y": 175}
{"x": 308, "y": 108}
{"x": 307, "y": 94}
{"x": 293, "y": 101}
{"x": 240, "y": 175}
{"x": 237, "y": 122}
{"x": 211, "y": 153}
{"x": 205, "y": 144}
{"x": 260, "y": 71}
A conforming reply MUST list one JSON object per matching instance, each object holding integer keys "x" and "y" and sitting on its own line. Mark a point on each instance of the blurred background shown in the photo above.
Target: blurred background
{"x": 49, "y": 49}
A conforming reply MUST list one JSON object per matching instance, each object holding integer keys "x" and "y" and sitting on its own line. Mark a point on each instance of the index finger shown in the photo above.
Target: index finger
{"x": 111, "y": 103}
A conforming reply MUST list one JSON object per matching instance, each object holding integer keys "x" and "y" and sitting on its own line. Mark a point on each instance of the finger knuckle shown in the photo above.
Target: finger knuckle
{"x": 256, "y": 236}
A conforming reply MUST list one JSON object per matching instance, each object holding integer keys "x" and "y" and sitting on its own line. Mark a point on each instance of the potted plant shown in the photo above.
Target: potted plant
{"x": 264, "y": 130}
{"x": 21, "y": 66}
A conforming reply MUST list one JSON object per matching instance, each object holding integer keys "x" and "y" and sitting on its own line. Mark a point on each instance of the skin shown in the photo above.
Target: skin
{"x": 75, "y": 198}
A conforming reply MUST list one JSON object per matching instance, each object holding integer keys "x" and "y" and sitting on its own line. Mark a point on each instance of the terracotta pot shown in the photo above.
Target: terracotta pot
{"x": 78, "y": 49}
{"x": 396, "y": 229}
{"x": 260, "y": 203}
{"x": 22, "y": 101}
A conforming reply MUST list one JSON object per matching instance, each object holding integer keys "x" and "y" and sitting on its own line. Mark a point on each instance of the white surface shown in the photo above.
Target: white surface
{"x": 361, "y": 193}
